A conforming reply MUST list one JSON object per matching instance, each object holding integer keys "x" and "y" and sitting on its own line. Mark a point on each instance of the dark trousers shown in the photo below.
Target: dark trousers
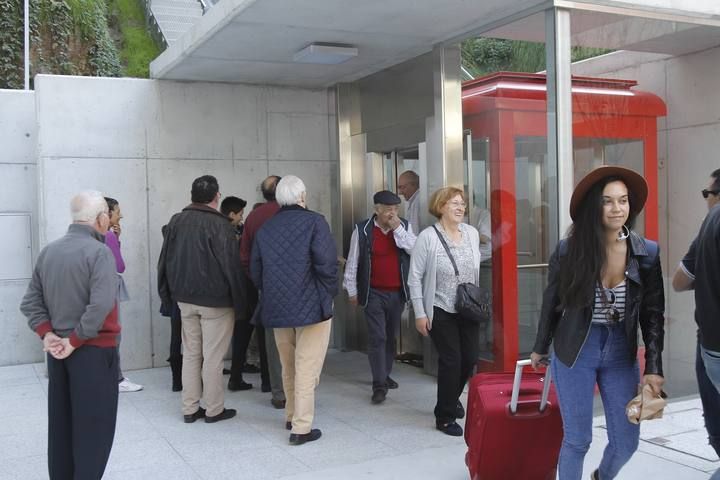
{"x": 242, "y": 332}
{"x": 710, "y": 401}
{"x": 82, "y": 409}
{"x": 241, "y": 340}
{"x": 456, "y": 341}
{"x": 382, "y": 314}
{"x": 175, "y": 334}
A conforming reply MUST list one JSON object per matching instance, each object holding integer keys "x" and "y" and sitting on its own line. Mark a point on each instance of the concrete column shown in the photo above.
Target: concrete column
{"x": 559, "y": 112}
{"x": 444, "y": 129}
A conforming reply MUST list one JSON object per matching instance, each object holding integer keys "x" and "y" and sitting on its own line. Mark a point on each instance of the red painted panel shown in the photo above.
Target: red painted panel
{"x": 505, "y": 106}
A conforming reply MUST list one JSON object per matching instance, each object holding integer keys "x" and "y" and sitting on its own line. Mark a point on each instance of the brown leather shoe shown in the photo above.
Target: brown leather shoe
{"x": 279, "y": 404}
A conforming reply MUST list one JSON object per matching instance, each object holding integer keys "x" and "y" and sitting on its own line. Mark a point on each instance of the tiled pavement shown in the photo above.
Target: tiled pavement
{"x": 395, "y": 440}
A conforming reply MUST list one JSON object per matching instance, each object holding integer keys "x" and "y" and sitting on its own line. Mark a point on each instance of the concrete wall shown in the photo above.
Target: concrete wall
{"x": 18, "y": 195}
{"x": 144, "y": 141}
{"x": 688, "y": 146}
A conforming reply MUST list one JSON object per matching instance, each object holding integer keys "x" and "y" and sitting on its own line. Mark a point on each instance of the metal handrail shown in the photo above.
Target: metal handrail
{"x": 533, "y": 266}
{"x": 206, "y": 5}
{"x": 153, "y": 26}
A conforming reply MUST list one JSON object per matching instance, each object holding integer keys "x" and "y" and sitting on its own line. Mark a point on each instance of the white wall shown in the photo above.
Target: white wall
{"x": 18, "y": 194}
{"x": 144, "y": 141}
{"x": 688, "y": 149}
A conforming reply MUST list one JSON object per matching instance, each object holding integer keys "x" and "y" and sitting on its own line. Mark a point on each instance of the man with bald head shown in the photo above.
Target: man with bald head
{"x": 408, "y": 186}
{"x": 270, "y": 368}
{"x": 71, "y": 305}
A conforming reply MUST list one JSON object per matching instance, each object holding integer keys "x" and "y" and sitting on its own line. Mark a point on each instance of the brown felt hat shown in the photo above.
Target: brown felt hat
{"x": 635, "y": 183}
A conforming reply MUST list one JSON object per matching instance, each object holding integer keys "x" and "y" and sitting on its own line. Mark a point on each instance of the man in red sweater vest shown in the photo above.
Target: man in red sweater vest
{"x": 376, "y": 278}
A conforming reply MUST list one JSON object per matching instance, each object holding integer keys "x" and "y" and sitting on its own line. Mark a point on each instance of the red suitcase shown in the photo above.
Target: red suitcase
{"x": 503, "y": 445}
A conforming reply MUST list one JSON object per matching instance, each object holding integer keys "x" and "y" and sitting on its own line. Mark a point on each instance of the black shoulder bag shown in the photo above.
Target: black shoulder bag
{"x": 472, "y": 302}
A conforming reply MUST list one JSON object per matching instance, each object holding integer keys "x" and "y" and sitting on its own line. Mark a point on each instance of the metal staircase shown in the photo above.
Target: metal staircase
{"x": 175, "y": 17}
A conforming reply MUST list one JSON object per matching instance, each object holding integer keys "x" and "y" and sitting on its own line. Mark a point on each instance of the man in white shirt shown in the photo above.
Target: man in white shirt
{"x": 376, "y": 278}
{"x": 408, "y": 186}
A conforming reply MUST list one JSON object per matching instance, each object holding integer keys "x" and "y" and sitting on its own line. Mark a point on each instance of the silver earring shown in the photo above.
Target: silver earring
{"x": 624, "y": 234}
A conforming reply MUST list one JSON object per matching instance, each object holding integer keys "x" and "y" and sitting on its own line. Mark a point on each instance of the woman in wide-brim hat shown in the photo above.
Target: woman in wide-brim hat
{"x": 604, "y": 281}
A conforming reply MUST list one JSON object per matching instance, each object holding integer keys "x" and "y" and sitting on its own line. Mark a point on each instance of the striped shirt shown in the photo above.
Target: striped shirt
{"x": 609, "y": 304}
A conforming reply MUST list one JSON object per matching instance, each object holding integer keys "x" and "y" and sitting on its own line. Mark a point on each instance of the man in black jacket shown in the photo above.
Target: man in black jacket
{"x": 199, "y": 269}
{"x": 698, "y": 271}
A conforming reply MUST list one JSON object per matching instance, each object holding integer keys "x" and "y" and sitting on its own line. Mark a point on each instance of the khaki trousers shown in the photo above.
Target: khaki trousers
{"x": 206, "y": 335}
{"x": 302, "y": 354}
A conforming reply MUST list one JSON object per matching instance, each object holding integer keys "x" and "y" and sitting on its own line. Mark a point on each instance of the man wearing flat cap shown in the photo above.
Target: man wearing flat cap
{"x": 376, "y": 279}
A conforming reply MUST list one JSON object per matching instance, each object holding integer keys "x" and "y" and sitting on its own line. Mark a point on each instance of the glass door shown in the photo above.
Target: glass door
{"x": 535, "y": 232}
{"x": 477, "y": 188}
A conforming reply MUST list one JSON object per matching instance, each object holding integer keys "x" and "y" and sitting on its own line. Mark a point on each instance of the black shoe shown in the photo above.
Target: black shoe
{"x": 288, "y": 425}
{"x": 392, "y": 384}
{"x": 459, "y": 410}
{"x": 378, "y": 396}
{"x": 452, "y": 429}
{"x": 279, "y": 404}
{"x": 265, "y": 388}
{"x": 250, "y": 368}
{"x": 300, "y": 438}
{"x": 224, "y": 415}
{"x": 234, "y": 386}
{"x": 195, "y": 416}
{"x": 226, "y": 371}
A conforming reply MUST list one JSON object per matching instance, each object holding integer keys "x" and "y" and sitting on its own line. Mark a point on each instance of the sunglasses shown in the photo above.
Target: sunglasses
{"x": 705, "y": 192}
{"x": 612, "y": 314}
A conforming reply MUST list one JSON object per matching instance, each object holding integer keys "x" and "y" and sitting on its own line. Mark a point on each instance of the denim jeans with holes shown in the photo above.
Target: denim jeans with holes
{"x": 604, "y": 359}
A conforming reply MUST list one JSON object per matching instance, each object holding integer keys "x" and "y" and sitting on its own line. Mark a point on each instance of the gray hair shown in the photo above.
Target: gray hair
{"x": 86, "y": 207}
{"x": 289, "y": 191}
{"x": 412, "y": 177}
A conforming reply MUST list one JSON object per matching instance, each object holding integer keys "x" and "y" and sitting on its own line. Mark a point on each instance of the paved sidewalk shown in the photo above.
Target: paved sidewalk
{"x": 395, "y": 440}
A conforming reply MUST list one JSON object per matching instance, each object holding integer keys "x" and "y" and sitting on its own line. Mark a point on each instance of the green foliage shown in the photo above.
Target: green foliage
{"x": 67, "y": 37}
{"x": 11, "y": 44}
{"x": 138, "y": 48}
{"x": 483, "y": 56}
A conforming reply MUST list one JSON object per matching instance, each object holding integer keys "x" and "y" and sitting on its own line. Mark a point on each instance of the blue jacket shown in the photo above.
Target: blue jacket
{"x": 294, "y": 264}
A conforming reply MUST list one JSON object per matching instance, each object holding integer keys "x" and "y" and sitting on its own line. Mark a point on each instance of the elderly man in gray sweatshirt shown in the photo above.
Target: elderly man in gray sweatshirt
{"x": 70, "y": 304}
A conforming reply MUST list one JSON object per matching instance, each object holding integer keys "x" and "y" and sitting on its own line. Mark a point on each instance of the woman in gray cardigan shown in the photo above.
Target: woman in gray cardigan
{"x": 433, "y": 283}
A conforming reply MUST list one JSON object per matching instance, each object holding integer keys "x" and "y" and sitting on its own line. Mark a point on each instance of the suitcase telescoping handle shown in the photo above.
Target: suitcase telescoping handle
{"x": 516, "y": 387}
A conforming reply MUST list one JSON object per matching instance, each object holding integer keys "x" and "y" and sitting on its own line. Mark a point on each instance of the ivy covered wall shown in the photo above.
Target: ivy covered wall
{"x": 67, "y": 37}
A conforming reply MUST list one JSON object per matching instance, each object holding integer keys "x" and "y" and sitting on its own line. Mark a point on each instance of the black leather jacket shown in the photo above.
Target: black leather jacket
{"x": 568, "y": 328}
{"x": 200, "y": 262}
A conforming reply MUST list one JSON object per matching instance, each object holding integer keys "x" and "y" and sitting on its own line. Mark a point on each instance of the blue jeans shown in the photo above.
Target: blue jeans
{"x": 710, "y": 401}
{"x": 711, "y": 362}
{"x": 603, "y": 359}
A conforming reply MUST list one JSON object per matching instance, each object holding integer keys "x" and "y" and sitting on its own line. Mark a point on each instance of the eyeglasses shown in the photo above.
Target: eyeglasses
{"x": 457, "y": 204}
{"x": 705, "y": 192}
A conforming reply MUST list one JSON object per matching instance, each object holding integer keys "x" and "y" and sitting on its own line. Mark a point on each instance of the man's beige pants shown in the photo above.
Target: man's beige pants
{"x": 206, "y": 334}
{"x": 302, "y": 354}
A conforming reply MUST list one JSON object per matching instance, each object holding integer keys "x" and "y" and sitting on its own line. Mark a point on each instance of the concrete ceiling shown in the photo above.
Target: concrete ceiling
{"x": 616, "y": 32}
{"x": 253, "y": 41}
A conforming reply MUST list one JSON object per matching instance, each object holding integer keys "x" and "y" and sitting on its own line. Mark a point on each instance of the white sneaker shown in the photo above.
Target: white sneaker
{"x": 128, "y": 386}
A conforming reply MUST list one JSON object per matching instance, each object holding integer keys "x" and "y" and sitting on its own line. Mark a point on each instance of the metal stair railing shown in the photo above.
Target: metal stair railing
{"x": 154, "y": 27}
